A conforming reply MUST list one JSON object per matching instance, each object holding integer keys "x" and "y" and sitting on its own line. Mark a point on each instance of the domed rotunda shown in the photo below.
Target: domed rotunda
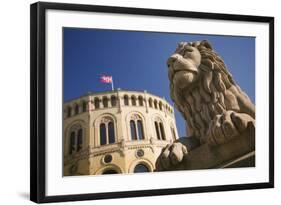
{"x": 116, "y": 132}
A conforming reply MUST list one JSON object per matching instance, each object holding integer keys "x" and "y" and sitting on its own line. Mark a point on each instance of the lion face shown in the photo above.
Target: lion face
{"x": 183, "y": 65}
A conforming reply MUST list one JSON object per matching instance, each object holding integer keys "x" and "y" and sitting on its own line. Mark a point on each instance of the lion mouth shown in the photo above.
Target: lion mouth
{"x": 183, "y": 70}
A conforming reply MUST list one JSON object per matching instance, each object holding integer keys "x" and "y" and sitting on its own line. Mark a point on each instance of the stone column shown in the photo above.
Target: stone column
{"x": 145, "y": 97}
{"x": 119, "y": 101}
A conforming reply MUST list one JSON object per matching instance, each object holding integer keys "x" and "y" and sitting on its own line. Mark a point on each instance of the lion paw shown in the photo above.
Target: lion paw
{"x": 227, "y": 126}
{"x": 171, "y": 155}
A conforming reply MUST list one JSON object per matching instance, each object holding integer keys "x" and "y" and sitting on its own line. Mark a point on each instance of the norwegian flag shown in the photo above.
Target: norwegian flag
{"x": 106, "y": 79}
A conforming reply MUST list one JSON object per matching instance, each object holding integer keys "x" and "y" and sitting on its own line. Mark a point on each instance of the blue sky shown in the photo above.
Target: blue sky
{"x": 137, "y": 61}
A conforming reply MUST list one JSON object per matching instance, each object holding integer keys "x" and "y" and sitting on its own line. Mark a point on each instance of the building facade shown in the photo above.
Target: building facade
{"x": 116, "y": 132}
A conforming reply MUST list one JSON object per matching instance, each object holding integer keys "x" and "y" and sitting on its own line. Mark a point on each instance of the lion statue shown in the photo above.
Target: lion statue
{"x": 213, "y": 105}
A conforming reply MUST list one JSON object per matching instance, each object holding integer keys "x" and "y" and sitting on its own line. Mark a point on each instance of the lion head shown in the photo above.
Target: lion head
{"x": 201, "y": 86}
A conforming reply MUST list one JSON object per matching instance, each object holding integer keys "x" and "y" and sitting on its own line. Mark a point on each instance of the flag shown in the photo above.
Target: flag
{"x": 106, "y": 79}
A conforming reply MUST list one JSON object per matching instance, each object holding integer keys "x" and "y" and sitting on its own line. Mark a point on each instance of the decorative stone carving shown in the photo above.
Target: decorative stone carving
{"x": 106, "y": 120}
{"x": 75, "y": 127}
{"x": 158, "y": 119}
{"x": 135, "y": 117}
{"x": 216, "y": 110}
{"x": 139, "y": 153}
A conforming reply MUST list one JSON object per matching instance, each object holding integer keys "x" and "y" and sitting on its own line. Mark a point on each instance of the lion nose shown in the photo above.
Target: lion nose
{"x": 172, "y": 59}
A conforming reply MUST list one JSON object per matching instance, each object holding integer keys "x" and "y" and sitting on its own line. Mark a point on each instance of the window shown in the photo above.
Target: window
{"x": 111, "y": 134}
{"x": 97, "y": 103}
{"x": 107, "y": 131}
{"x": 84, "y": 106}
{"x": 110, "y": 171}
{"x": 102, "y": 134}
{"x": 140, "y": 130}
{"x": 76, "y": 109}
{"x": 133, "y": 130}
{"x": 69, "y": 112}
{"x": 150, "y": 102}
{"x": 141, "y": 168}
{"x": 162, "y": 131}
{"x": 155, "y": 104}
{"x": 79, "y": 140}
{"x": 113, "y": 101}
{"x": 134, "y": 103}
{"x": 157, "y": 130}
{"x": 75, "y": 139}
{"x": 136, "y": 127}
{"x": 105, "y": 102}
{"x": 72, "y": 143}
{"x": 140, "y": 101}
{"x": 160, "y": 106}
{"x": 126, "y": 100}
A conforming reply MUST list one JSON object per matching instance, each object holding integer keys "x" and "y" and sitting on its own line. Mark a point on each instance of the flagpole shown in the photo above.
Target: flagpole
{"x": 112, "y": 87}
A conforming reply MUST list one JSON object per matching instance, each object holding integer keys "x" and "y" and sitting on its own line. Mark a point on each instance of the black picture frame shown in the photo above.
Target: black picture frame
{"x": 38, "y": 101}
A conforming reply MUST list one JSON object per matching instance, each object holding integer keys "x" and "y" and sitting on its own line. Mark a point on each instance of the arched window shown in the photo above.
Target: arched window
{"x": 157, "y": 130}
{"x": 75, "y": 139}
{"x": 69, "y": 112}
{"x": 111, "y": 134}
{"x": 105, "y": 102}
{"x": 140, "y": 101}
{"x": 76, "y": 109}
{"x": 97, "y": 103}
{"x": 102, "y": 134}
{"x": 136, "y": 127}
{"x": 141, "y": 168}
{"x": 107, "y": 131}
{"x": 134, "y": 103}
{"x": 133, "y": 130}
{"x": 84, "y": 106}
{"x": 162, "y": 131}
{"x": 155, "y": 104}
{"x": 150, "y": 102}
{"x": 140, "y": 130}
{"x": 110, "y": 171}
{"x": 79, "y": 140}
{"x": 126, "y": 100}
{"x": 113, "y": 100}
{"x": 72, "y": 142}
{"x": 160, "y": 106}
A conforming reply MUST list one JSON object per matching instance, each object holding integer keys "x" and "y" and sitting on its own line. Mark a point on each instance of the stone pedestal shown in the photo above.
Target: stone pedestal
{"x": 238, "y": 152}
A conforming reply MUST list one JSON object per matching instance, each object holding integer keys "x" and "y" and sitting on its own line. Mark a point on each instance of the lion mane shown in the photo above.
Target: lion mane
{"x": 213, "y": 92}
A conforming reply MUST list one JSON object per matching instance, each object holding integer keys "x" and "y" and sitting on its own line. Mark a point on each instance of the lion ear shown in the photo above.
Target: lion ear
{"x": 206, "y": 44}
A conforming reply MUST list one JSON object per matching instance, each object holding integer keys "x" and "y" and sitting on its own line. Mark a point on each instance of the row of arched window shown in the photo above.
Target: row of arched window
{"x": 107, "y": 132}
{"x": 140, "y": 101}
{"x": 76, "y": 109}
{"x": 104, "y": 102}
